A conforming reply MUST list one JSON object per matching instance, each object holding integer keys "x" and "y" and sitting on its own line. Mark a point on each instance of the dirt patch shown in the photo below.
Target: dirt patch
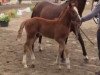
{"x": 13, "y": 6}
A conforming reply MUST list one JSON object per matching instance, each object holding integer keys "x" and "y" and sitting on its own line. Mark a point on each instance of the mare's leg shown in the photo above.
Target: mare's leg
{"x": 40, "y": 40}
{"x": 98, "y": 41}
{"x": 82, "y": 45}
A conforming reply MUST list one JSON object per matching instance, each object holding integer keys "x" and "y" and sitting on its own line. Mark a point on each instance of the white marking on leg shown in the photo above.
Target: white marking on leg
{"x": 24, "y": 61}
{"x": 56, "y": 59}
{"x": 32, "y": 58}
{"x": 68, "y": 63}
{"x": 77, "y": 12}
{"x": 86, "y": 57}
{"x": 56, "y": 62}
{"x": 40, "y": 47}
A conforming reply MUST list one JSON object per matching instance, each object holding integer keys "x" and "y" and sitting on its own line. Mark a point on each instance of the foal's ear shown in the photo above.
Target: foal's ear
{"x": 72, "y": 3}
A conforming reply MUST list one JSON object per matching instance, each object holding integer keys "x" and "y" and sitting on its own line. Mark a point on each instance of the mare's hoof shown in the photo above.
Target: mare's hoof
{"x": 32, "y": 66}
{"x": 86, "y": 60}
{"x": 60, "y": 67}
{"x": 97, "y": 73}
{"x": 40, "y": 50}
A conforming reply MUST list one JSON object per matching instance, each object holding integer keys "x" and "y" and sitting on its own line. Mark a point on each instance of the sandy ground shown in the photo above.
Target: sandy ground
{"x": 11, "y": 52}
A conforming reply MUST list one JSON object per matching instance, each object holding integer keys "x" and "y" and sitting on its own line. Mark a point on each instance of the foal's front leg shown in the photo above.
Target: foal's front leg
{"x": 32, "y": 50}
{"x": 67, "y": 59}
{"x": 66, "y": 56}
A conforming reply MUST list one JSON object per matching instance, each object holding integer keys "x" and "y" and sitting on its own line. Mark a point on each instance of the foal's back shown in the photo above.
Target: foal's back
{"x": 44, "y": 26}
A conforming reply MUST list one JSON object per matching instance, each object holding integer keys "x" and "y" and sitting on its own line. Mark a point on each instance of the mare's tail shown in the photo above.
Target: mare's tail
{"x": 33, "y": 12}
{"x": 20, "y": 31}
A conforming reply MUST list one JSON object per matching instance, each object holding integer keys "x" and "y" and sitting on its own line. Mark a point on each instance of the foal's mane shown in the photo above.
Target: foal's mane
{"x": 65, "y": 12}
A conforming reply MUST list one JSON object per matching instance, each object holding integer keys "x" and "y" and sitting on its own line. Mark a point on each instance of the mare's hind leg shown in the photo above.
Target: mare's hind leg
{"x": 83, "y": 47}
{"x": 40, "y": 40}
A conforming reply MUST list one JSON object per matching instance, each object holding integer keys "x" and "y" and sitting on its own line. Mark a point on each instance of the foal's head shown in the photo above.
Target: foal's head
{"x": 69, "y": 13}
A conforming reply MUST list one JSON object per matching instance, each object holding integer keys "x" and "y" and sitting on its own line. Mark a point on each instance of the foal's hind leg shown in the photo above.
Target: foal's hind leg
{"x": 83, "y": 47}
{"x": 28, "y": 47}
{"x": 32, "y": 51}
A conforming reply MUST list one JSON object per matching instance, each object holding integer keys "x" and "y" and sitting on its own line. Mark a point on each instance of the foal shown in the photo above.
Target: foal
{"x": 57, "y": 29}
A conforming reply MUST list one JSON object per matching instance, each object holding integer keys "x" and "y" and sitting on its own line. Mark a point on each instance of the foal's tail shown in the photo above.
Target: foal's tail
{"x": 20, "y": 31}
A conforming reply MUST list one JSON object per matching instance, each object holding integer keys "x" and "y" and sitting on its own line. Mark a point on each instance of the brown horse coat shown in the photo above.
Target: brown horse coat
{"x": 57, "y": 29}
{"x": 51, "y": 11}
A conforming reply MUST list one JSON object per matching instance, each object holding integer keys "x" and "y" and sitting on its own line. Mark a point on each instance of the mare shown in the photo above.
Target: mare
{"x": 51, "y": 11}
{"x": 57, "y": 29}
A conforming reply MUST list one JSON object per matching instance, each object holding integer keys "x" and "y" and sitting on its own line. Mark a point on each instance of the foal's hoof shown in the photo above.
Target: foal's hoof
{"x": 40, "y": 50}
{"x": 63, "y": 61}
{"x": 25, "y": 66}
{"x": 59, "y": 67}
{"x": 69, "y": 70}
{"x": 55, "y": 63}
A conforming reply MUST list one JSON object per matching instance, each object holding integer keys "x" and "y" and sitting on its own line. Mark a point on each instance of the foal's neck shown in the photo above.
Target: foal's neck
{"x": 65, "y": 16}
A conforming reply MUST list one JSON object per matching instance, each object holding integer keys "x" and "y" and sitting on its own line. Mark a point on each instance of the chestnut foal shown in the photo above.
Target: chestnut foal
{"x": 57, "y": 29}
